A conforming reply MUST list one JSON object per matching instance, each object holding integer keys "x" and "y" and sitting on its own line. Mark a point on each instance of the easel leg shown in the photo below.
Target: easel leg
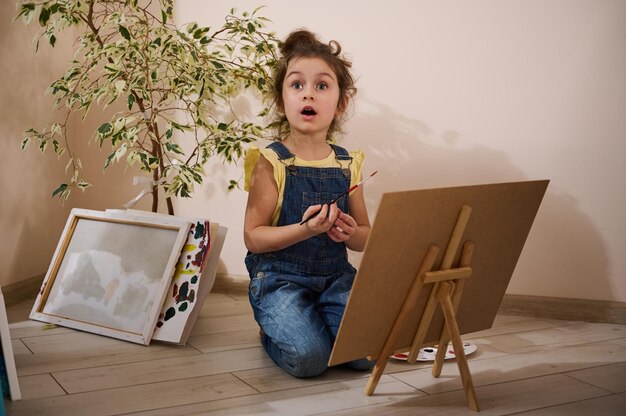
{"x": 377, "y": 372}
{"x": 457, "y": 291}
{"x": 427, "y": 316}
{"x": 441, "y": 353}
{"x": 398, "y": 326}
{"x": 453, "y": 331}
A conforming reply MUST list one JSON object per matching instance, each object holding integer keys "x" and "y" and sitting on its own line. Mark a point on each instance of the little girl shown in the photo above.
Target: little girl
{"x": 300, "y": 274}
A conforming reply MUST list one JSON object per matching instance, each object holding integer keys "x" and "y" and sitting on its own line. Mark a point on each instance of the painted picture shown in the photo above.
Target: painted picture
{"x": 183, "y": 293}
{"x": 110, "y": 273}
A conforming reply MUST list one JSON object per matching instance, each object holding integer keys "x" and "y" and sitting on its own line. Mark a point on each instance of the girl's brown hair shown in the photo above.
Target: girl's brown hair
{"x": 304, "y": 44}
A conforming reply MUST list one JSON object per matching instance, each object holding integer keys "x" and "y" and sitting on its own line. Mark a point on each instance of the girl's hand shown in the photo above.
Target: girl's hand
{"x": 343, "y": 228}
{"x": 323, "y": 221}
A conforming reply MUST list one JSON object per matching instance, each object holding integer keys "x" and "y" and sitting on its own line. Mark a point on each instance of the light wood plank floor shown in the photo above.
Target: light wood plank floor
{"x": 523, "y": 366}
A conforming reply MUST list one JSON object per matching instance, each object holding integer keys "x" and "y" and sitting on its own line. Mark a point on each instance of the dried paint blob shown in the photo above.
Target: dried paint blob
{"x": 169, "y": 313}
{"x": 182, "y": 292}
{"x": 199, "y": 230}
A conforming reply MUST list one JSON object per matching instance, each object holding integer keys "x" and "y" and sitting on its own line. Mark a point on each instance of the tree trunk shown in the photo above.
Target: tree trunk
{"x": 155, "y": 198}
{"x": 155, "y": 201}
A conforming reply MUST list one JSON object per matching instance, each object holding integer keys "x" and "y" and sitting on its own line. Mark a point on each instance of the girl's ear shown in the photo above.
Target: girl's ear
{"x": 342, "y": 105}
{"x": 280, "y": 107}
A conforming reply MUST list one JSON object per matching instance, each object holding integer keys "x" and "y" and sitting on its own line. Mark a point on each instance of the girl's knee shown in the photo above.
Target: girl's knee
{"x": 310, "y": 360}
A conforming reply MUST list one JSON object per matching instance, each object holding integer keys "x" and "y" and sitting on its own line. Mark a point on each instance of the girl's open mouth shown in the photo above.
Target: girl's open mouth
{"x": 308, "y": 111}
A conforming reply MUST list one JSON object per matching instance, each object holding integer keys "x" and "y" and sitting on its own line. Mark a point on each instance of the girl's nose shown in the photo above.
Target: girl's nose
{"x": 308, "y": 93}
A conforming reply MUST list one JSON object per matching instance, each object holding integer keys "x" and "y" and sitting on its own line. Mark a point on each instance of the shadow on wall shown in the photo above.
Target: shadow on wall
{"x": 564, "y": 255}
{"x": 31, "y": 222}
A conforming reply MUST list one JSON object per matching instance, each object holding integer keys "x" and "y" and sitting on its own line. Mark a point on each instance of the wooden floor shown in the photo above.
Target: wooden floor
{"x": 523, "y": 366}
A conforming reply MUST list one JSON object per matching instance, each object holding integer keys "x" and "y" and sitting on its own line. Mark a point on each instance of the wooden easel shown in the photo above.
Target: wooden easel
{"x": 446, "y": 292}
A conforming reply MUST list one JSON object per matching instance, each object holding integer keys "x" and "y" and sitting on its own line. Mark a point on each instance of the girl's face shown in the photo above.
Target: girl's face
{"x": 310, "y": 95}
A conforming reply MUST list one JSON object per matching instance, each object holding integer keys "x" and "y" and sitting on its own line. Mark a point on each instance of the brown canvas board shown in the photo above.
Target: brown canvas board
{"x": 406, "y": 225}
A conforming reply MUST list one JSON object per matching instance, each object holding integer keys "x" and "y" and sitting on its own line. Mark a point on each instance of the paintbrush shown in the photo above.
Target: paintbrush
{"x": 352, "y": 188}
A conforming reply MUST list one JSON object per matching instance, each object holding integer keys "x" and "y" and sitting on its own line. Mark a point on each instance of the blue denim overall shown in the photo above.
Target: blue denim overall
{"x": 299, "y": 294}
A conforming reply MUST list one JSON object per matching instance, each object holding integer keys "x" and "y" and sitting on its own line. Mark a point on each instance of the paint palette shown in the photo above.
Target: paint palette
{"x": 429, "y": 353}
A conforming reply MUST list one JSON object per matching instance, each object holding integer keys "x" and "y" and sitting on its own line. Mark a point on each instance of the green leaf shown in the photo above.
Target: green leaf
{"x": 173, "y": 147}
{"x": 112, "y": 68}
{"x": 44, "y": 16}
{"x": 105, "y": 129}
{"x": 26, "y": 12}
{"x": 153, "y": 163}
{"x": 191, "y": 27}
{"x": 82, "y": 185}
{"x": 131, "y": 101}
{"x": 124, "y": 32}
{"x": 109, "y": 159}
{"x": 59, "y": 190}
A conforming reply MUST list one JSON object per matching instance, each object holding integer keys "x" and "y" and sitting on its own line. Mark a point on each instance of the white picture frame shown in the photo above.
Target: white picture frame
{"x": 110, "y": 273}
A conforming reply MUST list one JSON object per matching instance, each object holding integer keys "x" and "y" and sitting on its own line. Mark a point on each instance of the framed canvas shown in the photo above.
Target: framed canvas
{"x": 192, "y": 281}
{"x": 110, "y": 273}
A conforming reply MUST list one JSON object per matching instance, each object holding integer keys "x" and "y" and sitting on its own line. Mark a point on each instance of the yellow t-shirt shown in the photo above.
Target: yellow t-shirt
{"x": 252, "y": 157}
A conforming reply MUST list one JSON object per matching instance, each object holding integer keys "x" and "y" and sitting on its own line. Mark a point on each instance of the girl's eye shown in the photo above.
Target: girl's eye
{"x": 297, "y": 85}
{"x": 322, "y": 86}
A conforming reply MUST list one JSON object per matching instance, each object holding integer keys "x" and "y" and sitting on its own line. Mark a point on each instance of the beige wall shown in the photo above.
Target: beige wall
{"x": 450, "y": 93}
{"x": 454, "y": 93}
{"x": 31, "y": 222}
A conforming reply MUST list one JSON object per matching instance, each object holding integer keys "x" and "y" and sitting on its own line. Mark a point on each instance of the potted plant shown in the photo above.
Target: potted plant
{"x": 169, "y": 82}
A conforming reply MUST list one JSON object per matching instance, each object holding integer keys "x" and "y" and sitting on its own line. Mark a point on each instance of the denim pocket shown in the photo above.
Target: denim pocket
{"x": 256, "y": 287}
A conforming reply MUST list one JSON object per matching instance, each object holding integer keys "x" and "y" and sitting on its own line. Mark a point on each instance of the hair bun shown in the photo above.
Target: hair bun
{"x": 299, "y": 39}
